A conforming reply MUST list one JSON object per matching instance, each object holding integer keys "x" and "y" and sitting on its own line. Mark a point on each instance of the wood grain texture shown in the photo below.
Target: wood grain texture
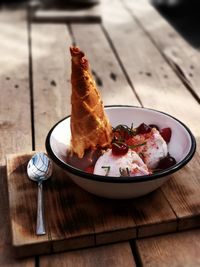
{"x": 77, "y": 216}
{"x": 153, "y": 215}
{"x": 15, "y": 119}
{"x": 90, "y": 14}
{"x": 51, "y": 77}
{"x": 21, "y": 190}
{"x": 73, "y": 220}
{"x": 116, "y": 255}
{"x": 151, "y": 82}
{"x": 147, "y": 69}
{"x": 7, "y": 258}
{"x": 78, "y": 212}
{"x": 72, "y": 215}
{"x": 7, "y": 254}
{"x": 15, "y": 125}
{"x": 122, "y": 27}
{"x": 4, "y": 207}
{"x": 110, "y": 78}
{"x": 73, "y": 227}
{"x": 182, "y": 190}
{"x": 175, "y": 250}
{"x": 69, "y": 216}
{"x": 182, "y": 56}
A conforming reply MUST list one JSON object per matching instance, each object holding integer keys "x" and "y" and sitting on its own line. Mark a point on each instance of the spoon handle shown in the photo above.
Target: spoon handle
{"x": 40, "y": 230}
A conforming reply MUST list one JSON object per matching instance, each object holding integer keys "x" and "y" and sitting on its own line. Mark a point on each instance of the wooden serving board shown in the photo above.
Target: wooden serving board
{"x": 75, "y": 218}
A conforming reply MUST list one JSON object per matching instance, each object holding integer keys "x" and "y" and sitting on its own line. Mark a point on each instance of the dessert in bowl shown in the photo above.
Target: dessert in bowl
{"x": 117, "y": 151}
{"x": 181, "y": 147}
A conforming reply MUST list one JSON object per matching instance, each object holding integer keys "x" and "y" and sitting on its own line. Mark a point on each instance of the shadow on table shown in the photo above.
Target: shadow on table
{"x": 49, "y": 4}
{"x": 183, "y": 16}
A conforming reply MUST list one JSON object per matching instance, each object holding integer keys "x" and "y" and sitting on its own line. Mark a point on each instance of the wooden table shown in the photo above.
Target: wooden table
{"x": 137, "y": 58}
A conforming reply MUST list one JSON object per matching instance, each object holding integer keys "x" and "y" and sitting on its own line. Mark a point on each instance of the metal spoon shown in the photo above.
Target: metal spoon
{"x": 39, "y": 168}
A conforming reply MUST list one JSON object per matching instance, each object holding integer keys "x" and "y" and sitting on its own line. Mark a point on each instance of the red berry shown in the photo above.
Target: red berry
{"x": 116, "y": 136}
{"x": 120, "y": 135}
{"x": 89, "y": 169}
{"x": 166, "y": 134}
{"x": 143, "y": 128}
{"x": 119, "y": 149}
{"x": 126, "y": 135}
{"x": 166, "y": 162}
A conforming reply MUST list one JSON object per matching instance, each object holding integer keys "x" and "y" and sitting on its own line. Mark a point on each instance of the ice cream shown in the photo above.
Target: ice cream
{"x": 143, "y": 154}
{"x": 154, "y": 147}
{"x": 129, "y": 164}
{"x": 96, "y": 145}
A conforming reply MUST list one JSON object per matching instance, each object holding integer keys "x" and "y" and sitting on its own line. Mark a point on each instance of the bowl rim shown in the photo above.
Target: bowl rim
{"x": 124, "y": 179}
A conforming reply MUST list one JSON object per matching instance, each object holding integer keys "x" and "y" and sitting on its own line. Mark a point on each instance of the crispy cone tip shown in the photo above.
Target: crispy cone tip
{"x": 90, "y": 127}
{"x": 78, "y": 57}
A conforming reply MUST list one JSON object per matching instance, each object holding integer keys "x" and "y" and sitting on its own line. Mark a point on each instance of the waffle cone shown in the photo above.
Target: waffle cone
{"x": 90, "y": 127}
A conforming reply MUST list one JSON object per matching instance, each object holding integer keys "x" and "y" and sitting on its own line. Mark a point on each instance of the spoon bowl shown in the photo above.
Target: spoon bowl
{"x": 39, "y": 169}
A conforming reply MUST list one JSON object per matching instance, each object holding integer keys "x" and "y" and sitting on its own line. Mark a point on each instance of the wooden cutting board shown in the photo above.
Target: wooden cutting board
{"x": 75, "y": 218}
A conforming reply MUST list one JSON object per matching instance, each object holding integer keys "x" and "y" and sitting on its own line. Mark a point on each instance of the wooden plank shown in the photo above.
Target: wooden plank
{"x": 41, "y": 79}
{"x": 15, "y": 125}
{"x": 69, "y": 217}
{"x": 180, "y": 249}
{"x": 7, "y": 259}
{"x": 115, "y": 223}
{"x": 138, "y": 54}
{"x": 171, "y": 44}
{"x": 116, "y": 255}
{"x": 153, "y": 215}
{"x": 79, "y": 215}
{"x": 4, "y": 218}
{"x": 144, "y": 80}
{"x": 62, "y": 97}
{"x": 73, "y": 220}
{"x": 23, "y": 217}
{"x": 110, "y": 81}
{"x": 159, "y": 81}
{"x": 85, "y": 14}
{"x": 182, "y": 191}
{"x": 109, "y": 76}
{"x": 51, "y": 77}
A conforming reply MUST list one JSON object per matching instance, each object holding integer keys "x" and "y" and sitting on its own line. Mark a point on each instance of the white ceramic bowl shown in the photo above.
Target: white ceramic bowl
{"x": 182, "y": 147}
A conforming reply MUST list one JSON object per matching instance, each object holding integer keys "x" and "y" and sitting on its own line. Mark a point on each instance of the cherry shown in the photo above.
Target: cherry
{"x": 89, "y": 169}
{"x": 143, "y": 128}
{"x": 166, "y": 162}
{"x": 119, "y": 149}
{"x": 126, "y": 135}
{"x": 121, "y": 135}
{"x": 166, "y": 134}
{"x": 154, "y": 126}
{"x": 116, "y": 136}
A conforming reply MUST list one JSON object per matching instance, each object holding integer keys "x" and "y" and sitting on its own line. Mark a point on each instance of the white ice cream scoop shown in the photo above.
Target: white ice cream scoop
{"x": 129, "y": 164}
